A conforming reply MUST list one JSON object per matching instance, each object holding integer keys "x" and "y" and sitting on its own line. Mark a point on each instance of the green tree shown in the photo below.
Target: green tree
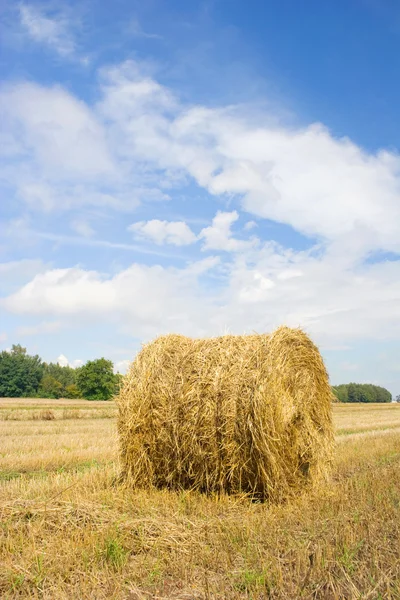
{"x": 20, "y": 373}
{"x": 65, "y": 375}
{"x": 341, "y": 393}
{"x": 382, "y": 394}
{"x": 56, "y": 380}
{"x": 50, "y": 387}
{"x": 96, "y": 379}
{"x": 367, "y": 393}
{"x": 72, "y": 391}
{"x": 361, "y": 392}
{"x": 353, "y": 392}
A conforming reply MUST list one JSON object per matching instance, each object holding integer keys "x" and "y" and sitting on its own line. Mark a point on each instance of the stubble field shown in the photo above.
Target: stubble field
{"x": 68, "y": 530}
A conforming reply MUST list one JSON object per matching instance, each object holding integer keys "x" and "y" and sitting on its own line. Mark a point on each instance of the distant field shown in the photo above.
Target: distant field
{"x": 42, "y": 409}
{"x": 68, "y": 530}
{"x": 357, "y": 418}
{"x": 34, "y": 402}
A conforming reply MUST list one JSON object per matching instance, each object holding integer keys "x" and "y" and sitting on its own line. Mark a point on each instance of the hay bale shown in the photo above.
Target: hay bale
{"x": 233, "y": 414}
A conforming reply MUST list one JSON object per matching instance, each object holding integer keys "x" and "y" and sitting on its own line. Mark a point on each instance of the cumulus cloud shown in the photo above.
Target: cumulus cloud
{"x": 139, "y": 142}
{"x": 132, "y": 295}
{"x": 321, "y": 185}
{"x": 177, "y": 233}
{"x": 63, "y": 361}
{"x": 122, "y": 366}
{"x": 255, "y": 290}
{"x": 219, "y": 236}
{"x": 53, "y": 31}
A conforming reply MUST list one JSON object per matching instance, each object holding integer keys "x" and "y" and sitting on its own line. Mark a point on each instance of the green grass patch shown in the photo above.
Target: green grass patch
{"x": 340, "y": 432}
{"x": 80, "y": 467}
{"x": 114, "y": 551}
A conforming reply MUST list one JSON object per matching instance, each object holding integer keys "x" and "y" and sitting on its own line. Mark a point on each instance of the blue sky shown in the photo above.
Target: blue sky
{"x": 201, "y": 167}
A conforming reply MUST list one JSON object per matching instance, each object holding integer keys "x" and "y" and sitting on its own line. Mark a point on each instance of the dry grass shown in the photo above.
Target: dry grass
{"x": 43, "y": 409}
{"x": 43, "y": 446}
{"x": 73, "y": 533}
{"x": 50, "y": 403}
{"x": 233, "y": 414}
{"x": 356, "y": 418}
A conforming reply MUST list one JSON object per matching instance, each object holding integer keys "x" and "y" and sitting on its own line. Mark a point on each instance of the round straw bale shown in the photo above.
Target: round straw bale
{"x": 233, "y": 414}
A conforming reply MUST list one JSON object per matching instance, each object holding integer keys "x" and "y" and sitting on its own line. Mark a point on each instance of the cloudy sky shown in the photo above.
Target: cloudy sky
{"x": 201, "y": 167}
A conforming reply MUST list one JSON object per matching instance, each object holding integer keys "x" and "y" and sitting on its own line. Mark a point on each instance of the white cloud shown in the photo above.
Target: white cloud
{"x": 40, "y": 329}
{"x": 3, "y": 337}
{"x": 63, "y": 361}
{"x": 38, "y": 195}
{"x": 56, "y": 130}
{"x": 70, "y": 240}
{"x": 135, "y": 29}
{"x": 15, "y": 273}
{"x": 320, "y": 185}
{"x": 177, "y": 233}
{"x": 290, "y": 273}
{"x": 122, "y": 366}
{"x": 60, "y": 158}
{"x": 219, "y": 236}
{"x": 44, "y": 29}
{"x": 139, "y": 142}
{"x": 82, "y": 228}
{"x": 250, "y": 225}
{"x": 250, "y": 294}
{"x": 144, "y": 300}
{"x": 59, "y": 154}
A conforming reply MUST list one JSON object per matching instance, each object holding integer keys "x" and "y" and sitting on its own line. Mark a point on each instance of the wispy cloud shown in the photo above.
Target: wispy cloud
{"x": 84, "y": 241}
{"x": 82, "y": 228}
{"x": 135, "y": 29}
{"x": 54, "y": 31}
{"x": 39, "y": 328}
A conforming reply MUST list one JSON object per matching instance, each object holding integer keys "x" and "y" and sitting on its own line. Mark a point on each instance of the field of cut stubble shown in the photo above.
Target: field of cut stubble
{"x": 68, "y": 530}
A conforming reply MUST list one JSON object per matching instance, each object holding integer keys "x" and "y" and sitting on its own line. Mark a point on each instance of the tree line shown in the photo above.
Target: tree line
{"x": 361, "y": 392}
{"x": 23, "y": 375}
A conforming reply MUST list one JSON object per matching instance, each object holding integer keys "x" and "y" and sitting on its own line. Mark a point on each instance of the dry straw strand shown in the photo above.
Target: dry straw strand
{"x": 236, "y": 414}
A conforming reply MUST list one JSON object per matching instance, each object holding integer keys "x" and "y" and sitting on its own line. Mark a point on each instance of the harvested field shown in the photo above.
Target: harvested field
{"x": 68, "y": 531}
{"x": 43, "y": 409}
